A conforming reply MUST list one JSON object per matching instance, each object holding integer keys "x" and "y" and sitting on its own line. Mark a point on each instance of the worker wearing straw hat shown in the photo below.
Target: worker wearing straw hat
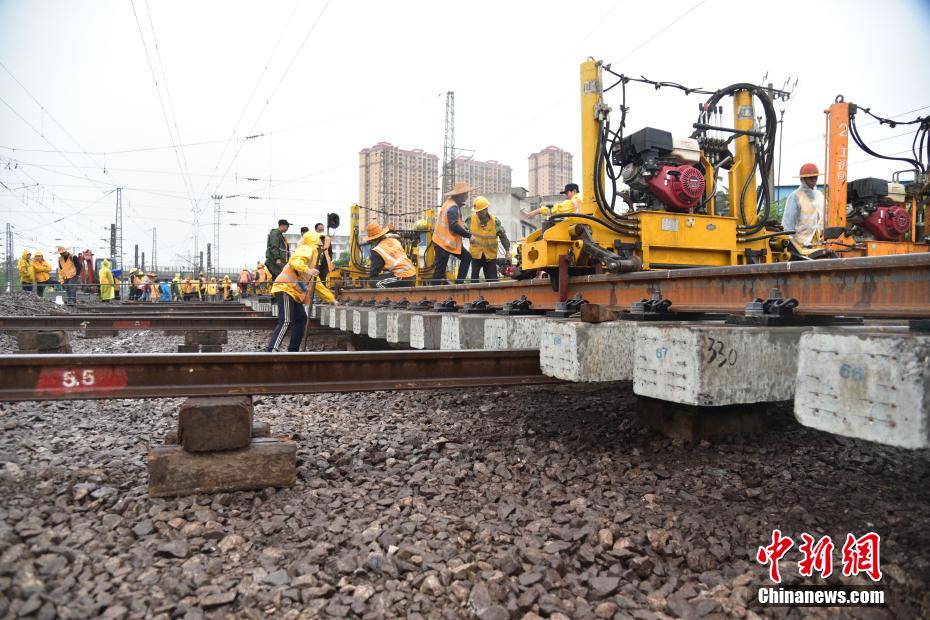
{"x": 449, "y": 232}
{"x": 387, "y": 254}
{"x": 804, "y": 209}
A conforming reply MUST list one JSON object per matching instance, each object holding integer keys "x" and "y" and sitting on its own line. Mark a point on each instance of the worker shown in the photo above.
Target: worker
{"x": 144, "y": 286}
{"x": 276, "y": 252}
{"x": 448, "y": 234}
{"x": 804, "y": 209}
{"x": 291, "y": 291}
{"x": 571, "y": 204}
{"x": 27, "y": 275}
{"x": 326, "y": 252}
{"x": 164, "y": 287}
{"x": 211, "y": 289}
{"x": 245, "y": 281}
{"x": 107, "y": 282}
{"x": 387, "y": 254}
{"x": 485, "y": 229}
{"x": 187, "y": 288}
{"x": 69, "y": 274}
{"x": 42, "y": 270}
{"x": 135, "y": 279}
{"x": 202, "y": 287}
{"x": 154, "y": 287}
{"x": 176, "y": 287}
{"x": 227, "y": 288}
{"x": 260, "y": 278}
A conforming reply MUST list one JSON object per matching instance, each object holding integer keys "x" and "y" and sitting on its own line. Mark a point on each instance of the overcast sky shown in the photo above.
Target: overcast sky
{"x": 317, "y": 81}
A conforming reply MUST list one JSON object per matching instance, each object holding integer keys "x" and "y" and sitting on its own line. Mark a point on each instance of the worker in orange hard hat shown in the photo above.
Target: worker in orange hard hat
{"x": 387, "y": 254}
{"x": 803, "y": 215}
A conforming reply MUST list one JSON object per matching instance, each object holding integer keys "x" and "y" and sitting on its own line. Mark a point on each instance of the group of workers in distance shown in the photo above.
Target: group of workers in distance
{"x": 36, "y": 273}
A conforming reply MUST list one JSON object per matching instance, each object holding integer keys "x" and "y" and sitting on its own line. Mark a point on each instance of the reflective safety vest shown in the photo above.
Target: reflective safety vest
{"x": 483, "y": 242}
{"x": 211, "y": 287}
{"x": 66, "y": 268}
{"x": 809, "y": 225}
{"x": 569, "y": 205}
{"x": 245, "y": 276}
{"x": 395, "y": 259}
{"x": 295, "y": 284}
{"x": 442, "y": 235}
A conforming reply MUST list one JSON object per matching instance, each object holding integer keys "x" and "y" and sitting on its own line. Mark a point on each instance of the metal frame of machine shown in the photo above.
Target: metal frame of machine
{"x": 673, "y": 223}
{"x": 872, "y": 217}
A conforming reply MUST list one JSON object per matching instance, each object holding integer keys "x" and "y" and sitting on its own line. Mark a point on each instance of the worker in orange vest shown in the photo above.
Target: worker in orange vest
{"x": 245, "y": 281}
{"x": 387, "y": 254}
{"x": 449, "y": 232}
{"x": 69, "y": 274}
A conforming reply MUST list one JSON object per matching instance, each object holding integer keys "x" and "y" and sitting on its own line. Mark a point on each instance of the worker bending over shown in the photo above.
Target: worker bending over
{"x": 291, "y": 291}
{"x": 485, "y": 230}
{"x": 449, "y": 232}
{"x": 804, "y": 209}
{"x": 387, "y": 254}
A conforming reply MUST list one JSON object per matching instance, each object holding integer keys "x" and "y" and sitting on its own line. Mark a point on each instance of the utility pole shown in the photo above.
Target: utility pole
{"x": 448, "y": 145}
{"x": 135, "y": 263}
{"x": 143, "y": 261}
{"x": 154, "y": 249}
{"x": 216, "y": 231}
{"x": 118, "y": 253}
{"x": 201, "y": 263}
{"x": 9, "y": 257}
{"x": 209, "y": 260}
{"x": 113, "y": 254}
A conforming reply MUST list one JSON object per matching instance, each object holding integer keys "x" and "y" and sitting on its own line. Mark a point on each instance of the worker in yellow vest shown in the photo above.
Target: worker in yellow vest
{"x": 69, "y": 274}
{"x": 571, "y": 204}
{"x": 449, "y": 232}
{"x": 42, "y": 269}
{"x": 387, "y": 254}
{"x": 291, "y": 291}
{"x": 485, "y": 230}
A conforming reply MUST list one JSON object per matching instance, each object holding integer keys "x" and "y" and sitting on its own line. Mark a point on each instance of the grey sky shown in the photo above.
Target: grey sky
{"x": 372, "y": 71}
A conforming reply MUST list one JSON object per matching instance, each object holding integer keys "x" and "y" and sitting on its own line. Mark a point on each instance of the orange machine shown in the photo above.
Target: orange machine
{"x": 873, "y": 217}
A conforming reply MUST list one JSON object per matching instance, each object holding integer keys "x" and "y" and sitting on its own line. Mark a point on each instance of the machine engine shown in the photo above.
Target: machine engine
{"x": 875, "y": 208}
{"x": 660, "y": 170}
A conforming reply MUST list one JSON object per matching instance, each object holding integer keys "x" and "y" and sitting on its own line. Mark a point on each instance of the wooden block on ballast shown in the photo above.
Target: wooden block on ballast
{"x": 215, "y": 423}
{"x": 265, "y": 462}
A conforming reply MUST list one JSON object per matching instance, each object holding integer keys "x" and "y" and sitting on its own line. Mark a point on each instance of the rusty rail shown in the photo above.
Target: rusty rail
{"x": 876, "y": 287}
{"x": 161, "y": 309}
{"x": 67, "y": 377}
{"x": 170, "y": 322}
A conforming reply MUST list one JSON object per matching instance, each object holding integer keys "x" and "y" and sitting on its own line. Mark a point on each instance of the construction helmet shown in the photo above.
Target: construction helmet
{"x": 809, "y": 170}
{"x": 421, "y": 225}
{"x": 481, "y": 203}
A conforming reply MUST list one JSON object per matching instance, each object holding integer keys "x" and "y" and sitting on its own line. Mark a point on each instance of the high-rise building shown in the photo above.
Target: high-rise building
{"x": 486, "y": 177}
{"x": 395, "y": 185}
{"x": 550, "y": 170}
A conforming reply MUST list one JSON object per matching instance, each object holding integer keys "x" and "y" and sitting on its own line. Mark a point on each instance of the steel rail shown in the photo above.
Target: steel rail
{"x": 876, "y": 287}
{"x": 88, "y": 377}
{"x": 157, "y": 308}
{"x": 163, "y": 313}
{"x": 73, "y": 322}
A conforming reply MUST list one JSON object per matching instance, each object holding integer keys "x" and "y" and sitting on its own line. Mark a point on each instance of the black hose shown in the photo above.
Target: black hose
{"x": 854, "y": 132}
{"x": 768, "y": 236}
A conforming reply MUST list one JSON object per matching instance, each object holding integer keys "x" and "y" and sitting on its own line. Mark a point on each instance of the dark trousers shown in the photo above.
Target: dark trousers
{"x": 488, "y": 265}
{"x": 71, "y": 289}
{"x": 442, "y": 261}
{"x": 26, "y": 286}
{"x": 394, "y": 282}
{"x": 290, "y": 314}
{"x": 323, "y": 268}
{"x": 40, "y": 289}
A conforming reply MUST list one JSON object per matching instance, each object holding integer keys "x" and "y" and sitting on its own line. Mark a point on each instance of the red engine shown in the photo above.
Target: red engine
{"x": 887, "y": 222}
{"x": 679, "y": 188}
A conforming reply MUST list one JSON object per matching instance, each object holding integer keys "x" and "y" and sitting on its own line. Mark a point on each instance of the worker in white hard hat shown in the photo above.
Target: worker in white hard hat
{"x": 485, "y": 230}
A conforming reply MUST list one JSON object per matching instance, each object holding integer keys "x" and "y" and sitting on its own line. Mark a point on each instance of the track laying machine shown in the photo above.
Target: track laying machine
{"x": 670, "y": 219}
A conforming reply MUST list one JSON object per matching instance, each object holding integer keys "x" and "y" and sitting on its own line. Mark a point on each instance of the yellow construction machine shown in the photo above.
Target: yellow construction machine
{"x": 669, "y": 217}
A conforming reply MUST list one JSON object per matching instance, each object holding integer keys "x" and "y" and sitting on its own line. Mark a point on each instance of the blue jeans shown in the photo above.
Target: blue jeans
{"x": 71, "y": 288}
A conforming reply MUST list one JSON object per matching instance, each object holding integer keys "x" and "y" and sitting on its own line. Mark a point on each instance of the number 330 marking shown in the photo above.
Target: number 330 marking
{"x": 717, "y": 349}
